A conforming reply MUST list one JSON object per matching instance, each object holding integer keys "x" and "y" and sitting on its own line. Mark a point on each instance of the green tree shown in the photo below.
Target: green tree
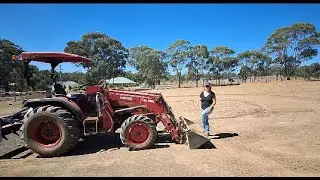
{"x": 257, "y": 62}
{"x": 7, "y": 65}
{"x": 78, "y": 77}
{"x": 307, "y": 72}
{"x": 149, "y": 64}
{"x": 198, "y": 62}
{"x": 108, "y": 55}
{"x": 275, "y": 69}
{"x": 315, "y": 70}
{"x": 293, "y": 45}
{"x": 263, "y": 67}
{"x": 304, "y": 72}
{"x": 193, "y": 71}
{"x": 230, "y": 64}
{"x": 221, "y": 59}
{"x": 244, "y": 73}
{"x": 43, "y": 80}
{"x": 33, "y": 73}
{"x": 133, "y": 76}
{"x": 179, "y": 53}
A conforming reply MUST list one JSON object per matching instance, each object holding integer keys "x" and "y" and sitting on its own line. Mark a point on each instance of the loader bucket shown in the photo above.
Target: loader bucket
{"x": 191, "y": 131}
{"x": 193, "y": 135}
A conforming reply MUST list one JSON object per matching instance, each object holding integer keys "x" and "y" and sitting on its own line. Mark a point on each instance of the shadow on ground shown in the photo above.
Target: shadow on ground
{"x": 224, "y": 135}
{"x": 207, "y": 145}
{"x": 166, "y": 138}
{"x": 110, "y": 141}
{"x": 96, "y": 143}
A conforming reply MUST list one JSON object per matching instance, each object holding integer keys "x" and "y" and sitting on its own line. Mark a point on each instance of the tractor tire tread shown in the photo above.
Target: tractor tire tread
{"x": 140, "y": 118}
{"x": 71, "y": 133}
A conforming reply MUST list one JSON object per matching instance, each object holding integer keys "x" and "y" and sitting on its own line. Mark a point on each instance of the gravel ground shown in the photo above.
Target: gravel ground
{"x": 14, "y": 141}
{"x": 261, "y": 130}
{"x": 11, "y": 144}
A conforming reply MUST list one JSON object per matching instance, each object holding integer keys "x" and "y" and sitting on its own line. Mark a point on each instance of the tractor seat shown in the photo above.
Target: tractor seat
{"x": 58, "y": 90}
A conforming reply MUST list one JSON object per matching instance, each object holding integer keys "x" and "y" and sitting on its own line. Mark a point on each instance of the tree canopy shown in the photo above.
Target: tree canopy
{"x": 254, "y": 62}
{"x": 7, "y": 66}
{"x": 149, "y": 63}
{"x": 179, "y": 53}
{"x": 222, "y": 59}
{"x": 282, "y": 54}
{"x": 109, "y": 55}
{"x": 199, "y": 55}
{"x": 293, "y": 45}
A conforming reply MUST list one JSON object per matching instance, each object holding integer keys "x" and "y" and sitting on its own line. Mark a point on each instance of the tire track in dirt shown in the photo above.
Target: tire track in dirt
{"x": 255, "y": 94}
{"x": 254, "y": 109}
{"x": 285, "y": 161}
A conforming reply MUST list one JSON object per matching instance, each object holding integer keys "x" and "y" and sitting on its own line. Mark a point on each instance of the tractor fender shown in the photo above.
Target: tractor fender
{"x": 64, "y": 102}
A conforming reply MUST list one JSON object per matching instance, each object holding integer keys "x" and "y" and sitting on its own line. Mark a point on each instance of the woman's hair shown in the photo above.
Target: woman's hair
{"x": 207, "y": 87}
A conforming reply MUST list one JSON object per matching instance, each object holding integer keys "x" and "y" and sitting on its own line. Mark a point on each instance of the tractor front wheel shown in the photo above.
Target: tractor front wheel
{"x": 138, "y": 132}
{"x": 50, "y": 131}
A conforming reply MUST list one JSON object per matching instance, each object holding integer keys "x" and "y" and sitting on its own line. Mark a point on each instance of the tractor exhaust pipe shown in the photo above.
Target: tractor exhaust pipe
{"x": 194, "y": 139}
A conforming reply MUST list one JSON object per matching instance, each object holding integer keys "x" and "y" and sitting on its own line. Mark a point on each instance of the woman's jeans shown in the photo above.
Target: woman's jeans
{"x": 205, "y": 119}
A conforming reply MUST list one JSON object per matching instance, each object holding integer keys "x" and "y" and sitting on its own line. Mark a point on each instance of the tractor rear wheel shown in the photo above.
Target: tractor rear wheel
{"x": 50, "y": 131}
{"x": 138, "y": 132}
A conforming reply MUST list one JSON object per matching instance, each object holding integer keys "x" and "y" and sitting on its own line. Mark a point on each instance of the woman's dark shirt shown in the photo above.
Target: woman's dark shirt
{"x": 207, "y": 101}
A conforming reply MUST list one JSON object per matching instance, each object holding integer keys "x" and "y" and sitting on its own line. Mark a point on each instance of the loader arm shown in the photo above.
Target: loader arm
{"x": 156, "y": 104}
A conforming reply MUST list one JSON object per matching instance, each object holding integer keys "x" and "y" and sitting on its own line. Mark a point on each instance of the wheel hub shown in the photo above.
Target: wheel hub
{"x": 138, "y": 133}
{"x": 47, "y": 133}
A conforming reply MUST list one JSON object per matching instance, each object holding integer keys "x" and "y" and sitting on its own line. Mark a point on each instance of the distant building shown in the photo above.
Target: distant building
{"x": 72, "y": 84}
{"x": 120, "y": 80}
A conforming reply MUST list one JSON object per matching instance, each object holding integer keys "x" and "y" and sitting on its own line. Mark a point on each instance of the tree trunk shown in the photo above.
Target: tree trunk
{"x": 179, "y": 79}
{"x": 197, "y": 78}
{"x": 203, "y": 81}
{"x": 216, "y": 78}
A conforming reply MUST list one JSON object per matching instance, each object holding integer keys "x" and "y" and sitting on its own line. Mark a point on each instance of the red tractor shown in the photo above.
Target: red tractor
{"x": 52, "y": 126}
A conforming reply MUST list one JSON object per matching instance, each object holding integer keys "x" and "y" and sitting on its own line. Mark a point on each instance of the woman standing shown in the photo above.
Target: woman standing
{"x": 208, "y": 100}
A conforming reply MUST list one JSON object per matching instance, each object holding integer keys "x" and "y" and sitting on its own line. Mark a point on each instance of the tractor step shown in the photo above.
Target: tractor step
{"x": 90, "y": 126}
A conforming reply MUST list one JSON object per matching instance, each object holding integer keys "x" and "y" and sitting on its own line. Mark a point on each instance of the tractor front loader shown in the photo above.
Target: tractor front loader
{"x": 52, "y": 126}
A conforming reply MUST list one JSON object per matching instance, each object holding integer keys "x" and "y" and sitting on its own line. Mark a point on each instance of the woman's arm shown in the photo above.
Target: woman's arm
{"x": 213, "y": 101}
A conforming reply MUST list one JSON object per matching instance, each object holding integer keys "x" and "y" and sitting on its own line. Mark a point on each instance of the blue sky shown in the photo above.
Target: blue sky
{"x": 47, "y": 27}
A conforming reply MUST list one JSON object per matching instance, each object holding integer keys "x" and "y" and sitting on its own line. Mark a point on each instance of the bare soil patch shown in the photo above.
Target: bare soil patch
{"x": 262, "y": 129}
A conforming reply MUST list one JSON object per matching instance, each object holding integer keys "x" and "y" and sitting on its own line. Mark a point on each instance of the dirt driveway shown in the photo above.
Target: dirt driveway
{"x": 261, "y": 130}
